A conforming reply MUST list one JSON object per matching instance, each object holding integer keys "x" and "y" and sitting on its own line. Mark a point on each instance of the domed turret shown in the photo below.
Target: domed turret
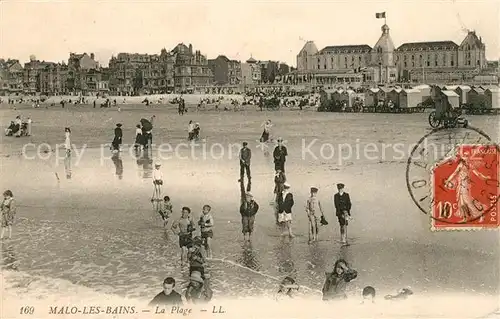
{"x": 385, "y": 29}
{"x": 383, "y": 51}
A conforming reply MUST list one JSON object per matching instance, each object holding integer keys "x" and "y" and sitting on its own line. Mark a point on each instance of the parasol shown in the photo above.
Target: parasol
{"x": 146, "y": 125}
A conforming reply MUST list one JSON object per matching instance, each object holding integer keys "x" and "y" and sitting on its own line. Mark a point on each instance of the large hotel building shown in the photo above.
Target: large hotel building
{"x": 417, "y": 62}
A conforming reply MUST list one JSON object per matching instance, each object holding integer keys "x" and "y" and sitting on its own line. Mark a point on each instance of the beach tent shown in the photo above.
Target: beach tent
{"x": 462, "y": 91}
{"x": 476, "y": 97}
{"x": 372, "y": 97}
{"x": 393, "y": 95}
{"x": 409, "y": 98}
{"x": 492, "y": 98}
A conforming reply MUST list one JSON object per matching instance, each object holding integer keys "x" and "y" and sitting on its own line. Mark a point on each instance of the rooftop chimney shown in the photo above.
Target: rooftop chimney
{"x": 92, "y": 56}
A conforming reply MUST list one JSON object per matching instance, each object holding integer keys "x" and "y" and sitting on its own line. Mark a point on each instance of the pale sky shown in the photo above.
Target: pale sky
{"x": 267, "y": 30}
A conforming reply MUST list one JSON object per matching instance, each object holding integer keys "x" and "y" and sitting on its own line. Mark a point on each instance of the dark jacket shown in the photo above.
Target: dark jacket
{"x": 280, "y": 154}
{"x": 287, "y": 204}
{"x": 249, "y": 209}
{"x": 245, "y": 156}
{"x": 161, "y": 299}
{"x": 279, "y": 180}
{"x": 342, "y": 203}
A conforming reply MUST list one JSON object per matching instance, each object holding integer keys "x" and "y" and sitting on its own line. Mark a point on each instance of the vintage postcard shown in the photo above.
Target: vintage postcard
{"x": 249, "y": 159}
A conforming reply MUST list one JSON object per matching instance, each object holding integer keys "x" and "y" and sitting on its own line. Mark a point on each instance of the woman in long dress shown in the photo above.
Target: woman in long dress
{"x": 461, "y": 180}
{"x": 8, "y": 212}
{"x": 138, "y": 137}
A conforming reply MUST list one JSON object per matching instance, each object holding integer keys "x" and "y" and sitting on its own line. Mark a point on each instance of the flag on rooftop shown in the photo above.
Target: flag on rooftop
{"x": 380, "y": 15}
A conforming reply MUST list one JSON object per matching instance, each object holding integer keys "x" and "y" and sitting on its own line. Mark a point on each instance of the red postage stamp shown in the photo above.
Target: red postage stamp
{"x": 466, "y": 188}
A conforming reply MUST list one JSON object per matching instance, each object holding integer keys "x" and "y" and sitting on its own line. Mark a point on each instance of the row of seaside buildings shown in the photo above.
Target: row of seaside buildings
{"x": 179, "y": 70}
{"x": 184, "y": 69}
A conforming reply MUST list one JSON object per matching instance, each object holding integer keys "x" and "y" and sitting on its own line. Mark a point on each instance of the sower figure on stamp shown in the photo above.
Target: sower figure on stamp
{"x": 460, "y": 179}
{"x": 342, "y": 203}
{"x": 245, "y": 157}
{"x": 280, "y": 153}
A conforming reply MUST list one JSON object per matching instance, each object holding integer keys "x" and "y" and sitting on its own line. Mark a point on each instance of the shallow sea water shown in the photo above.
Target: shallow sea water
{"x": 99, "y": 231}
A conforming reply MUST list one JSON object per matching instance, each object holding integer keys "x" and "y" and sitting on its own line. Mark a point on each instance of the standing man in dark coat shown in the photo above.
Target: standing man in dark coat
{"x": 342, "y": 203}
{"x": 280, "y": 153}
{"x": 245, "y": 157}
{"x": 117, "y": 141}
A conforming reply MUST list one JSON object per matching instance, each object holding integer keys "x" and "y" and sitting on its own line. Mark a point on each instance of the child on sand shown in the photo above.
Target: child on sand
{"x": 157, "y": 181}
{"x": 184, "y": 228}
{"x": 206, "y": 223}
{"x": 368, "y": 294}
{"x": 313, "y": 208}
{"x": 196, "y": 258}
{"x": 8, "y": 209}
{"x": 165, "y": 210}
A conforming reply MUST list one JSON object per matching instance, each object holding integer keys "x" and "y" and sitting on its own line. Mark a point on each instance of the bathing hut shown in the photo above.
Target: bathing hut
{"x": 446, "y": 98}
{"x": 372, "y": 97}
{"x": 476, "y": 97}
{"x": 340, "y": 97}
{"x": 436, "y": 92}
{"x": 410, "y": 98}
{"x": 425, "y": 94}
{"x": 462, "y": 91}
{"x": 449, "y": 87}
{"x": 393, "y": 96}
{"x": 492, "y": 98}
{"x": 382, "y": 94}
{"x": 326, "y": 96}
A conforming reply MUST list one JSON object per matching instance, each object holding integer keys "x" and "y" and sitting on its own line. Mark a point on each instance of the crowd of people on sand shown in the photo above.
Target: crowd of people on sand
{"x": 195, "y": 238}
{"x": 19, "y": 127}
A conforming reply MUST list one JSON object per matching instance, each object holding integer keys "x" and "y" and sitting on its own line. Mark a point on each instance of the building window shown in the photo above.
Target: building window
{"x": 412, "y": 57}
{"x": 413, "y": 64}
{"x": 452, "y": 63}
{"x": 428, "y": 63}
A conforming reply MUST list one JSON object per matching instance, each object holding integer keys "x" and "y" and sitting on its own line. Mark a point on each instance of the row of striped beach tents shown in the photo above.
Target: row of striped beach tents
{"x": 418, "y": 96}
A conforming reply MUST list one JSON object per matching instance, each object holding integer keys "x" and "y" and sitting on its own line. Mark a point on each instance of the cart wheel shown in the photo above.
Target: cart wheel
{"x": 434, "y": 122}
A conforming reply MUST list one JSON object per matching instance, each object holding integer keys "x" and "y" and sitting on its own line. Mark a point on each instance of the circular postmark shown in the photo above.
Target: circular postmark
{"x": 452, "y": 176}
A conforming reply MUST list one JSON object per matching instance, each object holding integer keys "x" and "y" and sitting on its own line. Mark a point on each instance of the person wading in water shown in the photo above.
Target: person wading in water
{"x": 336, "y": 281}
{"x": 248, "y": 210}
{"x": 342, "y": 203}
{"x": 117, "y": 141}
{"x": 245, "y": 157}
{"x": 280, "y": 153}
